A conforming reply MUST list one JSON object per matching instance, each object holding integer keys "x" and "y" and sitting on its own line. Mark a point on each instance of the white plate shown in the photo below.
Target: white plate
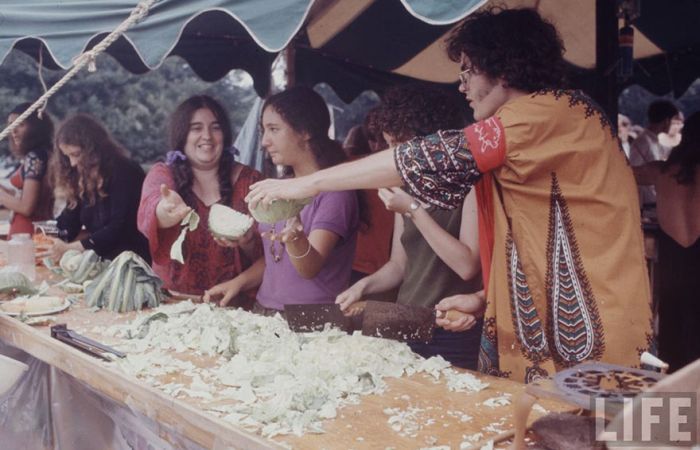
{"x": 55, "y": 310}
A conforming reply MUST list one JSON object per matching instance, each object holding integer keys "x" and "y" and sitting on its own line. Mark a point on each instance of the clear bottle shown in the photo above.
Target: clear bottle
{"x": 21, "y": 256}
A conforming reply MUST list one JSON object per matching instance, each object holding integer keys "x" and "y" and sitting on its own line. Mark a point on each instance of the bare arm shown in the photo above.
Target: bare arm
{"x": 374, "y": 171}
{"x": 25, "y": 204}
{"x": 461, "y": 255}
{"x": 389, "y": 276}
{"x": 308, "y": 254}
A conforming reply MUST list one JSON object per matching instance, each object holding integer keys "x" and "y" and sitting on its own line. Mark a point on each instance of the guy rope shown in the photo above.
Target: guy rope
{"x": 86, "y": 58}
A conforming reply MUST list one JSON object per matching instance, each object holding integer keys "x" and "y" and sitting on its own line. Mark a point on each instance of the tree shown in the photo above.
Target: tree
{"x": 134, "y": 108}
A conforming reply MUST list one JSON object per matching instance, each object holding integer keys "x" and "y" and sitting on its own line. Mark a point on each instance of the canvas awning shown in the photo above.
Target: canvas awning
{"x": 351, "y": 44}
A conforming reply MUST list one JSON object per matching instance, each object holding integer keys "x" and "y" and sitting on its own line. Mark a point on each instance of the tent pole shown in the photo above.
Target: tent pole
{"x": 606, "y": 90}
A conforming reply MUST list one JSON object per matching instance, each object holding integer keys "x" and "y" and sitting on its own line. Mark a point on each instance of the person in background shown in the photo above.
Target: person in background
{"x": 373, "y": 238}
{"x": 31, "y": 143}
{"x": 647, "y": 148}
{"x": 101, "y": 187}
{"x": 677, "y": 182}
{"x": 559, "y": 228}
{"x": 624, "y": 133}
{"x": 435, "y": 252}
{"x": 199, "y": 172}
{"x": 356, "y": 143}
{"x": 309, "y": 257}
{"x": 673, "y": 137}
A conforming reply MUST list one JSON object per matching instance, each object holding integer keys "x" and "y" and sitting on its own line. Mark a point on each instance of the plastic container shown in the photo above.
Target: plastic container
{"x": 21, "y": 255}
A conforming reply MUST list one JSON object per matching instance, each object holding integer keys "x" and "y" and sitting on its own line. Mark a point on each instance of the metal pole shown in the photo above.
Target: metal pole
{"x": 606, "y": 90}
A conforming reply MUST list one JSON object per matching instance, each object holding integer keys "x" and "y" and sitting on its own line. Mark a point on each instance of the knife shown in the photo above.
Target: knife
{"x": 379, "y": 319}
{"x": 314, "y": 317}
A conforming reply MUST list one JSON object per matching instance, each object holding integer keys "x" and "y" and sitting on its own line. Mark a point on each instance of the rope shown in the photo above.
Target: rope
{"x": 87, "y": 58}
{"x": 40, "y": 65}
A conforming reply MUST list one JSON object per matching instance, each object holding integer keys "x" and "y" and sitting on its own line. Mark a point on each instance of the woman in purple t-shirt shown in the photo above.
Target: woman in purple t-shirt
{"x": 308, "y": 259}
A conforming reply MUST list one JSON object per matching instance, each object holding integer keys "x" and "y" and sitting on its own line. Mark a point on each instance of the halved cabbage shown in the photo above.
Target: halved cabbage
{"x": 279, "y": 210}
{"x": 227, "y": 223}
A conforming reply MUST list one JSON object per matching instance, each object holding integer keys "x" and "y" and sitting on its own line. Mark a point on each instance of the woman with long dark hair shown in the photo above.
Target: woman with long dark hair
{"x": 197, "y": 173}
{"x": 101, "y": 186}
{"x": 31, "y": 143}
{"x": 309, "y": 257}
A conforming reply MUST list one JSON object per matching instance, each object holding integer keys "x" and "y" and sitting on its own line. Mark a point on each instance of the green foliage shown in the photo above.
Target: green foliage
{"x": 134, "y": 108}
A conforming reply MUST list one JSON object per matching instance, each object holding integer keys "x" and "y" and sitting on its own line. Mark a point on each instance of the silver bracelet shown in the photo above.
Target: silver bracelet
{"x": 306, "y": 253}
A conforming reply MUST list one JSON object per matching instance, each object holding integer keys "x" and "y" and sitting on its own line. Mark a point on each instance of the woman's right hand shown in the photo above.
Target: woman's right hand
{"x": 171, "y": 208}
{"x": 223, "y": 291}
{"x": 349, "y": 296}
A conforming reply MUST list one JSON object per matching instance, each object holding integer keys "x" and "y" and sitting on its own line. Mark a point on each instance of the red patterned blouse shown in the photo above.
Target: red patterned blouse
{"x": 206, "y": 262}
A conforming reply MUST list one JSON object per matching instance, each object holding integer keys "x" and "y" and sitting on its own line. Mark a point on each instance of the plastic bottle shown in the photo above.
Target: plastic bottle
{"x": 21, "y": 256}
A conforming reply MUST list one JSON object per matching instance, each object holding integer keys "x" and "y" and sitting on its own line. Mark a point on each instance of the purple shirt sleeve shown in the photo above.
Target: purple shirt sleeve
{"x": 332, "y": 211}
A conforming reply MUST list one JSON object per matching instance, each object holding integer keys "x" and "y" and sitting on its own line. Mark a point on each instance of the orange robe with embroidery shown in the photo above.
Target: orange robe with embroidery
{"x": 560, "y": 228}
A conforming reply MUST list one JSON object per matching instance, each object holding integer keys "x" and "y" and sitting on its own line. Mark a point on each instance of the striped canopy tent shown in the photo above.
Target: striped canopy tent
{"x": 353, "y": 45}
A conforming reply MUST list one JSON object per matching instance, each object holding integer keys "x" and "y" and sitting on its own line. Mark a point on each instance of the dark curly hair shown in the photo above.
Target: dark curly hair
{"x": 411, "y": 110}
{"x": 39, "y": 134}
{"x": 373, "y": 131}
{"x": 98, "y": 152}
{"x": 178, "y": 130}
{"x": 516, "y": 45}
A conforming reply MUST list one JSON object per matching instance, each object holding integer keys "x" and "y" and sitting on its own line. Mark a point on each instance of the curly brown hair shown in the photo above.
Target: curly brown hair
{"x": 98, "y": 153}
{"x": 516, "y": 45}
{"x": 178, "y": 130}
{"x": 411, "y": 110}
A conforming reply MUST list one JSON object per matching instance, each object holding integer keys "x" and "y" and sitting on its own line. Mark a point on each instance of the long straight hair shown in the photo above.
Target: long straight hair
{"x": 306, "y": 112}
{"x": 39, "y": 134}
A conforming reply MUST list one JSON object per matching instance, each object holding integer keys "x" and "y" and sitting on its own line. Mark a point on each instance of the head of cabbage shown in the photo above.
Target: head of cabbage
{"x": 227, "y": 223}
{"x": 278, "y": 210}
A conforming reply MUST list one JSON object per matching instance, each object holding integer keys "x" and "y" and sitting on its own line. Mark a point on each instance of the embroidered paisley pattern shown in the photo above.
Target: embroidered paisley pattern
{"x": 526, "y": 322}
{"x": 488, "y": 351}
{"x": 574, "y": 326}
{"x": 439, "y": 168}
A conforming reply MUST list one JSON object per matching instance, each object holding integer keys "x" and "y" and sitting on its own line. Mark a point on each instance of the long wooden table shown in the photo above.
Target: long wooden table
{"x": 440, "y": 416}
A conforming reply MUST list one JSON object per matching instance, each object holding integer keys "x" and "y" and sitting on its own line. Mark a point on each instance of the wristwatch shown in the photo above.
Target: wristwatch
{"x": 411, "y": 209}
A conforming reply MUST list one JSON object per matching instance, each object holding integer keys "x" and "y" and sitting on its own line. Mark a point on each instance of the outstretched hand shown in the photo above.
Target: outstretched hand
{"x": 171, "y": 208}
{"x": 267, "y": 191}
{"x": 293, "y": 229}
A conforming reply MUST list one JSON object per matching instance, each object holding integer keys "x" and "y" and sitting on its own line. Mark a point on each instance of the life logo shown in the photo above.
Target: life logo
{"x": 648, "y": 420}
